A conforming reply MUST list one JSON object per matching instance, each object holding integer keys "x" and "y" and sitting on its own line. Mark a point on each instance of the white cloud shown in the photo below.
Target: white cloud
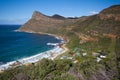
{"x": 93, "y": 12}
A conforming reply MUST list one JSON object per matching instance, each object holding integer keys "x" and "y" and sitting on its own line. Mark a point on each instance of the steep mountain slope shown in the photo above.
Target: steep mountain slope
{"x": 107, "y": 21}
{"x": 42, "y": 23}
{"x": 112, "y": 12}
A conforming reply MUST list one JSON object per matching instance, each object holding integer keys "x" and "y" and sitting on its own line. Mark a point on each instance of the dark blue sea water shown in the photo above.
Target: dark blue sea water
{"x": 17, "y": 45}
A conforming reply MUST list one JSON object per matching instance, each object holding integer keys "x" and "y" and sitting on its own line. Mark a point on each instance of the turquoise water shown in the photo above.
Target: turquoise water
{"x": 17, "y": 45}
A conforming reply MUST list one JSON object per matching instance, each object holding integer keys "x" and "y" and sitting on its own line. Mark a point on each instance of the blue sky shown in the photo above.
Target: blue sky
{"x": 19, "y": 11}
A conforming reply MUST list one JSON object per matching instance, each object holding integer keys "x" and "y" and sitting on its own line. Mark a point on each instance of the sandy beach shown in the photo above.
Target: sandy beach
{"x": 51, "y": 54}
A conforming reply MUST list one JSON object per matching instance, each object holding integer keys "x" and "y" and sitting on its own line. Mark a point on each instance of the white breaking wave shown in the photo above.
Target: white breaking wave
{"x": 53, "y": 44}
{"x": 48, "y": 54}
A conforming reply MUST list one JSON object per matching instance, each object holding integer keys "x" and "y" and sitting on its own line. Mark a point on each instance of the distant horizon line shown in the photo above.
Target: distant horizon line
{"x": 11, "y": 24}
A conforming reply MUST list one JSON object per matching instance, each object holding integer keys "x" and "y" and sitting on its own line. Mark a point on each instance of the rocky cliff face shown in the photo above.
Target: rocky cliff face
{"x": 42, "y": 23}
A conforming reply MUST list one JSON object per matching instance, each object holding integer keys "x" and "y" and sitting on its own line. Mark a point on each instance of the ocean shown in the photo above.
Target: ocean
{"x": 18, "y": 45}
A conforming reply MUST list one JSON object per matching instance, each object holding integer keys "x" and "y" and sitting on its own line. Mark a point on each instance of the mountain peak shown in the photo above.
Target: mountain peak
{"x": 38, "y": 15}
{"x": 58, "y": 16}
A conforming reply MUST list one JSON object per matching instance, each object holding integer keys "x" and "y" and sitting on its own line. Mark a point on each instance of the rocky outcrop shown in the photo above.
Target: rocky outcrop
{"x": 21, "y": 76}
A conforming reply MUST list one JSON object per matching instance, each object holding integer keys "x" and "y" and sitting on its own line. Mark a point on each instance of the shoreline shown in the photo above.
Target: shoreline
{"x": 50, "y": 54}
{"x": 56, "y": 36}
